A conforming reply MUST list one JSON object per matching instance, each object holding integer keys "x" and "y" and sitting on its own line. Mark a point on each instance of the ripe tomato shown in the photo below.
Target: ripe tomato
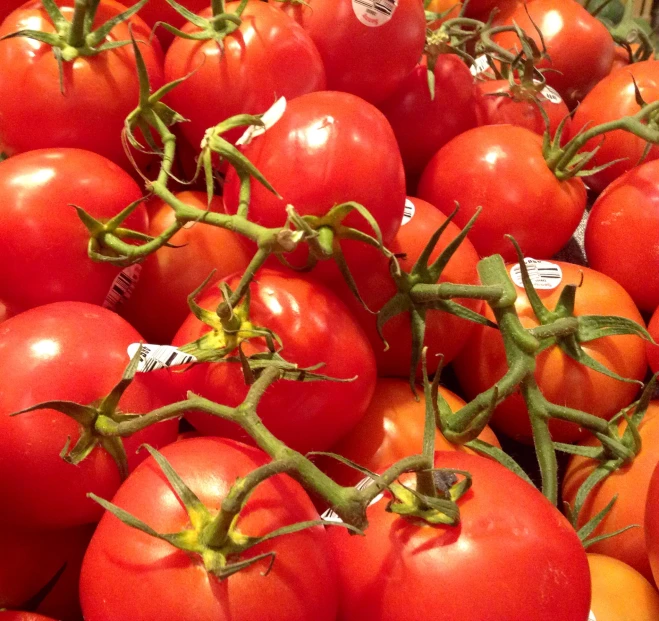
{"x": 91, "y": 111}
{"x": 160, "y": 11}
{"x": 268, "y": 57}
{"x": 402, "y": 569}
{"x": 367, "y": 47}
{"x": 343, "y": 150}
{"x": 653, "y": 350}
{"x": 171, "y": 274}
{"x": 611, "y": 577}
{"x": 44, "y": 249}
{"x": 16, "y": 615}
{"x": 8, "y": 6}
{"x": 613, "y": 98}
{"x": 391, "y": 428}
{"x": 167, "y": 584}
{"x": 562, "y": 380}
{"x": 54, "y": 353}
{"x": 450, "y": 8}
{"x": 652, "y": 524}
{"x": 630, "y": 484}
{"x": 315, "y": 327}
{"x": 628, "y": 213}
{"x": 502, "y": 169}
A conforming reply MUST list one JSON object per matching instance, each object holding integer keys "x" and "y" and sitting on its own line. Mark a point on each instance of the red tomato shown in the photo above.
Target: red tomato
{"x": 8, "y": 6}
{"x": 574, "y": 40}
{"x": 401, "y": 569}
{"x": 631, "y": 485}
{"x": 268, "y": 57}
{"x": 15, "y": 615}
{"x": 651, "y": 523}
{"x": 44, "y": 249}
{"x": 613, "y": 98}
{"x": 628, "y": 213}
{"x": 423, "y": 125}
{"x": 653, "y": 350}
{"x": 367, "y": 47}
{"x": 171, "y": 274}
{"x": 328, "y": 148}
{"x": 160, "y": 11}
{"x": 90, "y": 114}
{"x": 62, "y": 358}
{"x": 502, "y": 169}
{"x": 562, "y": 380}
{"x": 314, "y": 327}
{"x": 167, "y": 584}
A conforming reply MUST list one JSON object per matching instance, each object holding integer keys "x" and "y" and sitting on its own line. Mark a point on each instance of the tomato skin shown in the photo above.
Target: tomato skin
{"x": 170, "y": 585}
{"x": 44, "y": 249}
{"x": 315, "y": 327}
{"x": 630, "y": 484}
{"x": 652, "y": 524}
{"x": 16, "y": 615}
{"x": 628, "y": 213}
{"x": 91, "y": 113}
{"x": 653, "y": 350}
{"x": 370, "y": 62}
{"x": 171, "y": 274}
{"x": 509, "y": 178}
{"x": 451, "y": 8}
{"x": 328, "y": 148}
{"x": 401, "y": 570}
{"x": 268, "y": 57}
{"x": 482, "y": 362}
{"x": 614, "y": 97}
{"x": 8, "y": 6}
{"x": 62, "y": 359}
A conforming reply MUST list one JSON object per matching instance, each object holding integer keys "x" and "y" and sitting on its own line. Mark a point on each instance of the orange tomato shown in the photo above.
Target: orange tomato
{"x": 451, "y": 8}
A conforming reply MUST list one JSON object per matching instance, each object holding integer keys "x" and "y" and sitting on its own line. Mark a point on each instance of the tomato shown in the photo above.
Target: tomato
{"x": 482, "y": 9}
{"x": 315, "y": 327}
{"x": 268, "y": 57}
{"x": 8, "y": 6}
{"x": 328, "y": 148}
{"x": 614, "y": 97}
{"x": 55, "y": 352}
{"x": 499, "y": 564}
{"x": 610, "y": 577}
{"x": 169, "y": 585}
{"x": 652, "y": 524}
{"x": 450, "y": 8}
{"x": 160, "y": 11}
{"x": 502, "y": 169}
{"x": 574, "y": 40}
{"x": 653, "y": 350}
{"x": 367, "y": 48}
{"x": 44, "y": 249}
{"x": 15, "y": 615}
{"x": 562, "y": 380}
{"x": 171, "y": 274}
{"x": 630, "y": 484}
{"x": 422, "y": 124}
{"x": 391, "y": 429}
{"x": 90, "y": 114}
{"x": 628, "y": 213}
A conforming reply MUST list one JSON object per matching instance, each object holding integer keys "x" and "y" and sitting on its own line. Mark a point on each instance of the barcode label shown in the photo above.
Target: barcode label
{"x": 374, "y": 13}
{"x": 408, "y": 212}
{"x": 153, "y": 357}
{"x": 551, "y": 94}
{"x": 269, "y": 118}
{"x": 331, "y": 516}
{"x": 123, "y": 286}
{"x": 543, "y": 275}
{"x": 481, "y": 65}
{"x": 591, "y": 616}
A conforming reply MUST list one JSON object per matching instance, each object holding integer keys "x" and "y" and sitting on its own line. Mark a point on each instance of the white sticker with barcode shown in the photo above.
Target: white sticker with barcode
{"x": 543, "y": 274}
{"x": 122, "y": 286}
{"x": 269, "y": 118}
{"x": 408, "y": 212}
{"x": 549, "y": 93}
{"x": 481, "y": 65}
{"x": 591, "y": 616}
{"x": 331, "y": 516}
{"x": 153, "y": 357}
{"x": 374, "y": 13}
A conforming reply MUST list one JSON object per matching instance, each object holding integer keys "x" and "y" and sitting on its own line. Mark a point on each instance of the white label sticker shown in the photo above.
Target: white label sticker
{"x": 544, "y": 275}
{"x": 269, "y": 118}
{"x": 550, "y": 94}
{"x": 331, "y": 516}
{"x": 122, "y": 286}
{"x": 374, "y": 13}
{"x": 591, "y": 616}
{"x": 153, "y": 357}
{"x": 481, "y": 65}
{"x": 408, "y": 212}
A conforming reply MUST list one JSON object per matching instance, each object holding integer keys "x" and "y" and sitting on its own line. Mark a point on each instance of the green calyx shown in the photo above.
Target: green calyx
{"x": 219, "y": 26}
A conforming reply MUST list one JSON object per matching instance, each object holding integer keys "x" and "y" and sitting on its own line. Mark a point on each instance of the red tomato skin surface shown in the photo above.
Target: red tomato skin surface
{"x": 159, "y": 303}
{"x": 90, "y": 114}
{"x": 423, "y": 125}
{"x": 613, "y": 98}
{"x": 44, "y": 249}
{"x": 627, "y": 212}
{"x": 401, "y": 570}
{"x": 653, "y": 350}
{"x": 652, "y": 524}
{"x": 328, "y": 148}
{"x": 502, "y": 169}
{"x": 367, "y": 61}
{"x": 17, "y": 615}
{"x": 61, "y": 358}
{"x": 167, "y": 584}
{"x": 268, "y": 57}
{"x": 8, "y": 6}
{"x": 482, "y": 362}
{"x": 577, "y": 68}
{"x": 315, "y": 326}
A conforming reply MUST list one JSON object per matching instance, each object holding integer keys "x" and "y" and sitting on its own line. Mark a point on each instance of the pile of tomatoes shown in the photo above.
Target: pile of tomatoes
{"x": 309, "y": 188}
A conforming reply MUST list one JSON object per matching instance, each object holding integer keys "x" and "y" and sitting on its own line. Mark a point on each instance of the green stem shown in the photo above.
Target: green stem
{"x": 77, "y": 33}
{"x": 558, "y": 328}
{"x": 218, "y": 7}
{"x": 423, "y": 293}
